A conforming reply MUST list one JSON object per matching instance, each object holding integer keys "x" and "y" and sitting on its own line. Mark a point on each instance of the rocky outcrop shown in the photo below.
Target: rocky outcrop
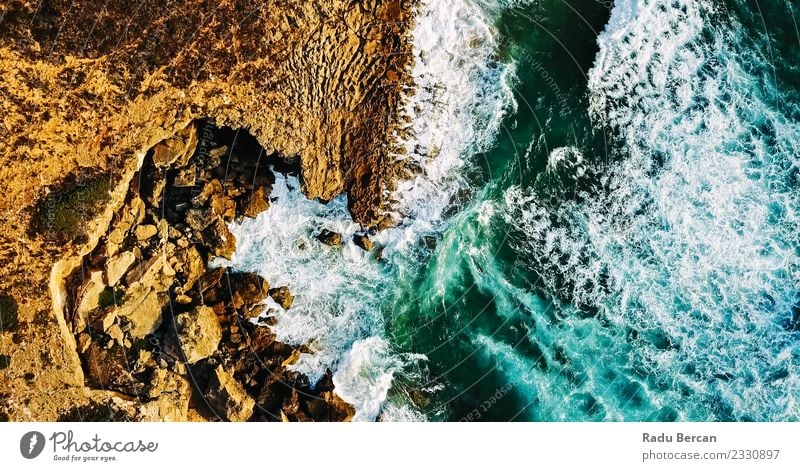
{"x": 161, "y": 319}
{"x": 199, "y": 333}
{"x": 363, "y": 241}
{"x": 86, "y": 88}
{"x": 282, "y": 296}
{"x": 316, "y": 82}
{"x": 118, "y": 265}
{"x": 331, "y": 238}
{"x": 228, "y": 398}
{"x": 170, "y": 394}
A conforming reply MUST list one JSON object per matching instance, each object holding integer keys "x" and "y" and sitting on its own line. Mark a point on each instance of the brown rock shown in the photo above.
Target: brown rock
{"x": 186, "y": 177}
{"x": 154, "y": 196}
{"x": 84, "y": 340}
{"x": 329, "y": 408}
{"x": 227, "y": 397}
{"x": 171, "y": 393}
{"x": 137, "y": 209}
{"x": 257, "y": 202}
{"x": 223, "y": 207}
{"x": 193, "y": 267}
{"x": 117, "y": 266}
{"x": 114, "y": 241}
{"x": 143, "y": 233}
{"x": 142, "y": 310}
{"x": 282, "y": 296}
{"x": 211, "y": 280}
{"x": 164, "y": 381}
{"x": 90, "y": 300}
{"x": 177, "y": 149}
{"x": 363, "y": 241}
{"x": 248, "y": 289}
{"x": 330, "y": 238}
{"x": 199, "y": 333}
{"x": 220, "y": 239}
{"x": 386, "y": 222}
{"x": 115, "y": 332}
{"x": 199, "y": 219}
{"x": 138, "y": 271}
{"x": 213, "y": 187}
{"x": 253, "y": 311}
{"x": 108, "y": 369}
{"x": 105, "y": 322}
{"x": 216, "y": 156}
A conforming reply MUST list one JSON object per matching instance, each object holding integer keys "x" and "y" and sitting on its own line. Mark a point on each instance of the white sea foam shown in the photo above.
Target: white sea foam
{"x": 693, "y": 233}
{"x": 459, "y": 97}
{"x": 461, "y": 94}
{"x": 364, "y": 377}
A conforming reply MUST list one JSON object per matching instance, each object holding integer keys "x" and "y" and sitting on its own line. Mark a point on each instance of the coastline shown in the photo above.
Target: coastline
{"x": 74, "y": 104}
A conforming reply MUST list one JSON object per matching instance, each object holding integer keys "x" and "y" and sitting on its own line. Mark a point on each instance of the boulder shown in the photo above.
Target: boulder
{"x": 193, "y": 267}
{"x": 83, "y": 342}
{"x": 155, "y": 191}
{"x": 143, "y": 233}
{"x": 137, "y": 208}
{"x": 114, "y": 241}
{"x": 228, "y": 398}
{"x": 105, "y": 321}
{"x": 219, "y": 239}
{"x": 90, "y": 300}
{"x": 282, "y": 296}
{"x": 115, "y": 332}
{"x": 186, "y": 178}
{"x": 329, "y": 408}
{"x": 199, "y": 219}
{"x": 171, "y": 393}
{"x": 223, "y": 206}
{"x": 117, "y": 266}
{"x": 164, "y": 381}
{"x": 199, "y": 333}
{"x": 363, "y": 241}
{"x": 216, "y": 155}
{"x": 247, "y": 289}
{"x": 169, "y": 407}
{"x": 142, "y": 310}
{"x": 257, "y": 202}
{"x": 177, "y": 149}
{"x": 213, "y": 187}
{"x": 211, "y": 280}
{"x": 138, "y": 271}
{"x": 330, "y": 238}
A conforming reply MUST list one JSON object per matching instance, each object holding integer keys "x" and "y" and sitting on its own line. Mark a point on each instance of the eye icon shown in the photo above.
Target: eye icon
{"x": 31, "y": 445}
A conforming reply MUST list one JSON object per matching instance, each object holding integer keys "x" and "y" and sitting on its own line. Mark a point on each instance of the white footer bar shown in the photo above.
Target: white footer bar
{"x": 352, "y": 447}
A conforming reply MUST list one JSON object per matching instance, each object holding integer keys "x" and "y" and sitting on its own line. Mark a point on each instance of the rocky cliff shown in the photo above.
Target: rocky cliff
{"x": 87, "y": 88}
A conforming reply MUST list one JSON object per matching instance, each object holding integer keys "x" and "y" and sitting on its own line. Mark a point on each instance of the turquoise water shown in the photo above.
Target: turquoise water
{"x": 604, "y": 227}
{"x": 631, "y": 249}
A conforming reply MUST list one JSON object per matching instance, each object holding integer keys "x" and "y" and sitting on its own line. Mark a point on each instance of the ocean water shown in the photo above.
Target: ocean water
{"x": 604, "y": 225}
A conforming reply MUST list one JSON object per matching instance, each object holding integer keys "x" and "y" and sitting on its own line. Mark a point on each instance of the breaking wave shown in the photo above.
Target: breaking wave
{"x": 454, "y": 108}
{"x": 687, "y": 243}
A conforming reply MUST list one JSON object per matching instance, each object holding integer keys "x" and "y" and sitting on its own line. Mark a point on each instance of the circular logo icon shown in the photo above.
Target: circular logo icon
{"x": 31, "y": 445}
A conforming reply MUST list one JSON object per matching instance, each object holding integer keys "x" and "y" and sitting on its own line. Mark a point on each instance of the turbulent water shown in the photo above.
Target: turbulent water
{"x": 604, "y": 227}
